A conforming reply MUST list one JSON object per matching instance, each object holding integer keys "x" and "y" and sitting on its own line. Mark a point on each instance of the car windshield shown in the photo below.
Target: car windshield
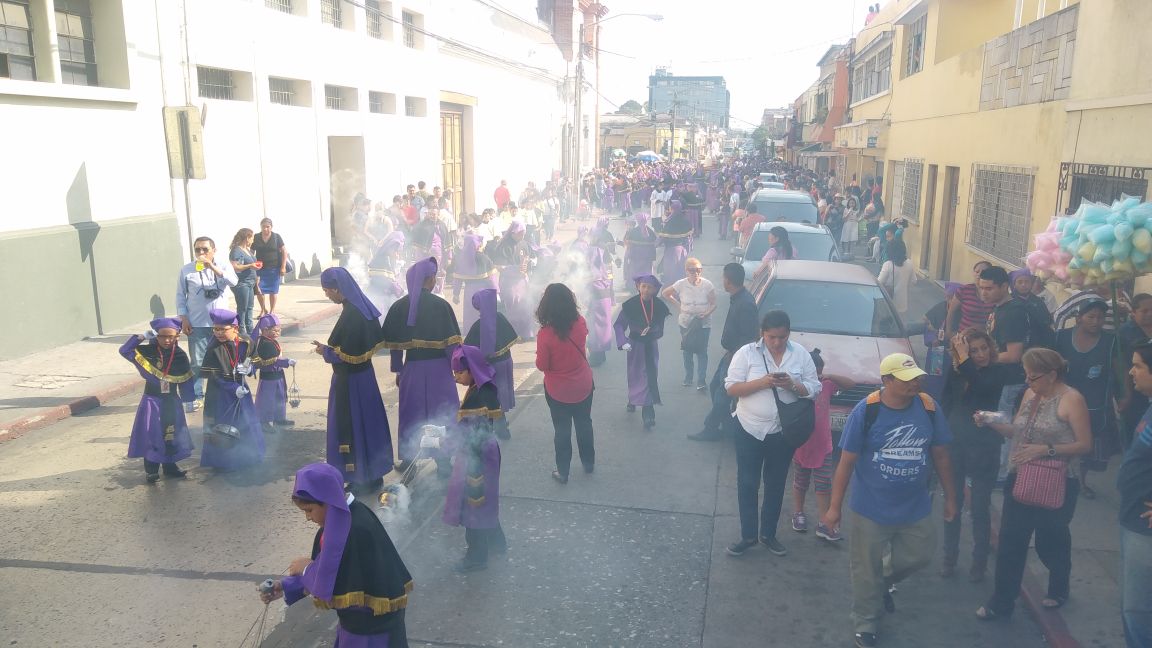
{"x": 810, "y": 246}
{"x": 833, "y": 308}
{"x": 787, "y": 212}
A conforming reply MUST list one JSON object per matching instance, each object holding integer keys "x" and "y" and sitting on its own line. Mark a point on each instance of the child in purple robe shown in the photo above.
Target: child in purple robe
{"x": 160, "y": 432}
{"x": 639, "y": 247}
{"x": 420, "y": 330}
{"x": 600, "y": 302}
{"x": 513, "y": 256}
{"x": 354, "y": 568}
{"x": 359, "y": 442}
{"x": 639, "y": 327}
{"x": 272, "y": 394}
{"x": 228, "y": 399}
{"x": 474, "y": 272}
{"x": 676, "y": 237}
{"x": 473, "y": 496}
{"x": 494, "y": 336}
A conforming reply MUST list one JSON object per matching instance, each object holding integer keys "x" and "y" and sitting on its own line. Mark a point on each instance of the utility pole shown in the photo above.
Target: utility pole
{"x": 577, "y": 118}
{"x": 672, "y": 141}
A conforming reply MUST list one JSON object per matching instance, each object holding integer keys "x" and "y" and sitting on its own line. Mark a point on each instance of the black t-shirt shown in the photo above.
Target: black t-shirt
{"x": 1135, "y": 478}
{"x": 1008, "y": 324}
{"x": 268, "y": 251}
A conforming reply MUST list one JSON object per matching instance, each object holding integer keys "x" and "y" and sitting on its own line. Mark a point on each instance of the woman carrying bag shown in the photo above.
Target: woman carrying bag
{"x": 1050, "y": 428}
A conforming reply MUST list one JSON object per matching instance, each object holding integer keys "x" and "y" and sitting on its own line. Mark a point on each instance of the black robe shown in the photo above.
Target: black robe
{"x": 435, "y": 329}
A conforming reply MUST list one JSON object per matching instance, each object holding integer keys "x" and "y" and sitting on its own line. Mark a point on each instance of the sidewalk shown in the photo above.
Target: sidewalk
{"x": 45, "y": 387}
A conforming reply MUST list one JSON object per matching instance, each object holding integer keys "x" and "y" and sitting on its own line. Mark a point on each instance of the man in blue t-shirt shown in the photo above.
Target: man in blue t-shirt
{"x": 891, "y": 441}
{"x": 1135, "y": 484}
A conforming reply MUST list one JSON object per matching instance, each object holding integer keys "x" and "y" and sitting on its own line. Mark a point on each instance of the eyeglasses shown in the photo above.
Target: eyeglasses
{"x": 220, "y": 329}
{"x": 1032, "y": 379}
{"x": 202, "y": 249}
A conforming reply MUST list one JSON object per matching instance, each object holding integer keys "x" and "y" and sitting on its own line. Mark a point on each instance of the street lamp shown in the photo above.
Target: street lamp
{"x": 580, "y": 74}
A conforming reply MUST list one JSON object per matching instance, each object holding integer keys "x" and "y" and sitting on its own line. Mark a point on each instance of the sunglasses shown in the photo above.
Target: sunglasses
{"x": 695, "y": 270}
{"x": 202, "y": 249}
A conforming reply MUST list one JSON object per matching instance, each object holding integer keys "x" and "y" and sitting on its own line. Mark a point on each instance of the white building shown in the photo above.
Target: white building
{"x": 290, "y": 107}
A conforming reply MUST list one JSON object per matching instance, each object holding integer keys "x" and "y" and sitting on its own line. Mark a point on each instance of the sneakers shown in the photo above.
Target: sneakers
{"x": 687, "y": 382}
{"x": 831, "y": 535}
{"x": 738, "y": 548}
{"x": 773, "y": 545}
{"x": 799, "y": 522}
{"x": 865, "y": 639}
{"x": 701, "y": 387}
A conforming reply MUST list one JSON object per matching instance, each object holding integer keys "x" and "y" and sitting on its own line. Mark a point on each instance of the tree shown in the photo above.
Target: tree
{"x": 631, "y": 107}
{"x": 760, "y": 139}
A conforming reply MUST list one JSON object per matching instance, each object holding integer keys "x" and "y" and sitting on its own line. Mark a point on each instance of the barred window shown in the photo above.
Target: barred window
{"x": 910, "y": 194}
{"x": 896, "y": 200}
{"x": 339, "y": 97}
{"x": 281, "y": 91}
{"x": 330, "y": 13}
{"x": 379, "y": 15}
{"x": 382, "y": 103}
{"x": 17, "y": 60}
{"x": 214, "y": 83}
{"x": 279, "y": 5}
{"x": 883, "y": 70}
{"x": 1001, "y": 210}
{"x": 410, "y": 25}
{"x": 914, "y": 36}
{"x": 77, "y": 48}
{"x": 415, "y": 107}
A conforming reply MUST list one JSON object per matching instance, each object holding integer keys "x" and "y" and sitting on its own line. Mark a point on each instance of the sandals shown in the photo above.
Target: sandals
{"x": 985, "y": 613}
{"x": 1054, "y": 602}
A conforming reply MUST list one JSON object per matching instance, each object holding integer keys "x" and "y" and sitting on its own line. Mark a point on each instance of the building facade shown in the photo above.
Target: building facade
{"x": 144, "y": 125}
{"x": 702, "y": 99}
{"x": 983, "y": 120}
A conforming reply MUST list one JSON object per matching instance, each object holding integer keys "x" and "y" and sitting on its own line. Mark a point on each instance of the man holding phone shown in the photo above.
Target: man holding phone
{"x": 762, "y": 371}
{"x": 202, "y": 287}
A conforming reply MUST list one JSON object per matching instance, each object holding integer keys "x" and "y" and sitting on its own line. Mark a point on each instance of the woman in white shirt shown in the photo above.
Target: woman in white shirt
{"x": 896, "y": 276}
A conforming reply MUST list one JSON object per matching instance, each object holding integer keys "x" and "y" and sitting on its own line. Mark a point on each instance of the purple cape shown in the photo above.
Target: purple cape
{"x": 417, "y": 275}
{"x": 341, "y": 279}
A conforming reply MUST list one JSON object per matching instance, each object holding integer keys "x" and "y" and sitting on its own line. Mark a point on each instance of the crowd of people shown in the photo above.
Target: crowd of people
{"x": 1066, "y": 399}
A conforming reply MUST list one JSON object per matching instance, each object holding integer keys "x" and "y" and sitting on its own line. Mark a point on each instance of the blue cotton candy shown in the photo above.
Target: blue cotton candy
{"x": 1102, "y": 234}
{"x": 1122, "y": 248}
{"x": 1123, "y": 231}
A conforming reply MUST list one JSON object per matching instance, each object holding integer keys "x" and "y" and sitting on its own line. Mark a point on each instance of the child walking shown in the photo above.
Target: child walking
{"x": 272, "y": 395}
{"x": 816, "y": 458}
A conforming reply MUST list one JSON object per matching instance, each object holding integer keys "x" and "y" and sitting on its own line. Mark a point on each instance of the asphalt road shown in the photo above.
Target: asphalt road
{"x": 632, "y": 555}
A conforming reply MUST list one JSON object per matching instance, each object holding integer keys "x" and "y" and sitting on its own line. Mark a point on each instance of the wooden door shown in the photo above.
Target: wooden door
{"x": 452, "y": 157}
{"x": 948, "y": 222}
{"x": 927, "y": 218}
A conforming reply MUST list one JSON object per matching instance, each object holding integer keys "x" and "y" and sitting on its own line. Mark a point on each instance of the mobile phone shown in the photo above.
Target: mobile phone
{"x": 779, "y": 374}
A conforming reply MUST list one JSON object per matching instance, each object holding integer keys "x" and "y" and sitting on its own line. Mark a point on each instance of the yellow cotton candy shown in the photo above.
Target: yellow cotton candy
{"x": 1088, "y": 250}
{"x": 1142, "y": 240}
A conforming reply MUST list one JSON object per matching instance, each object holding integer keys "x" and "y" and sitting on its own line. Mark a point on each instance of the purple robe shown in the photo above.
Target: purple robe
{"x": 356, "y": 413}
{"x": 517, "y": 305}
{"x": 644, "y": 357}
{"x": 221, "y": 405}
{"x": 600, "y": 303}
{"x": 272, "y": 393}
{"x": 494, "y": 335}
{"x": 607, "y": 199}
{"x": 677, "y": 241}
{"x": 473, "y": 494}
{"x": 473, "y": 272}
{"x": 158, "y": 411}
{"x": 640, "y": 250}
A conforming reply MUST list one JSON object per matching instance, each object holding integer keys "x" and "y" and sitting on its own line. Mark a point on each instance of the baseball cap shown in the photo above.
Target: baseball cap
{"x": 900, "y": 366}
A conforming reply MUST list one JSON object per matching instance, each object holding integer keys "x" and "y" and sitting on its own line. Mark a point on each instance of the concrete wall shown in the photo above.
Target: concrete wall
{"x": 74, "y": 281}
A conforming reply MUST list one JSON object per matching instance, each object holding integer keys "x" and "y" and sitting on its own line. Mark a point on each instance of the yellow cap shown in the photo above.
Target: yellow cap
{"x": 900, "y": 366}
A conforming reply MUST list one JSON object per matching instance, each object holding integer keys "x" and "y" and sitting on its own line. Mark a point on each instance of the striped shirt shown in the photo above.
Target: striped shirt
{"x": 974, "y": 311}
{"x": 1068, "y": 310}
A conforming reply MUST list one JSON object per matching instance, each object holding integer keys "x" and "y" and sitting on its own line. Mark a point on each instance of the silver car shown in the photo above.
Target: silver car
{"x": 809, "y": 242}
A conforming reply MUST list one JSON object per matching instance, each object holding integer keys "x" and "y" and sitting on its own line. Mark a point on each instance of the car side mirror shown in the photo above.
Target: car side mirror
{"x": 915, "y": 328}
{"x": 738, "y": 252}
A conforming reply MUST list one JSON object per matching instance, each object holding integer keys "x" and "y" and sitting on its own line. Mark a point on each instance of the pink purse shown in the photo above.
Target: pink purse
{"x": 1040, "y": 482}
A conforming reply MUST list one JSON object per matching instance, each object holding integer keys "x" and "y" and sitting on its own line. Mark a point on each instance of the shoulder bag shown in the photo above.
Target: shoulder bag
{"x": 1040, "y": 482}
{"x": 797, "y": 420}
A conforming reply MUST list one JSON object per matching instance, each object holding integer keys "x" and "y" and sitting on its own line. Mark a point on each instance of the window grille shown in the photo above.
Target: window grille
{"x": 415, "y": 107}
{"x": 910, "y": 194}
{"x": 74, "y": 36}
{"x": 17, "y": 59}
{"x": 1000, "y": 211}
{"x": 375, "y": 18}
{"x": 896, "y": 200}
{"x": 282, "y": 91}
{"x": 382, "y": 103}
{"x": 214, "y": 83}
{"x": 279, "y": 5}
{"x": 330, "y": 13}
{"x": 409, "y": 20}
{"x": 914, "y": 45}
{"x": 1101, "y": 183}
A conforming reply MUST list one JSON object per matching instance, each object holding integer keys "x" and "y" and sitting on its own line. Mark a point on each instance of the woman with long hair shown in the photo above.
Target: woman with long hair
{"x": 246, "y": 265}
{"x": 896, "y": 275}
{"x": 568, "y": 384}
{"x": 1051, "y": 426}
{"x": 779, "y": 247}
{"x": 851, "y": 232}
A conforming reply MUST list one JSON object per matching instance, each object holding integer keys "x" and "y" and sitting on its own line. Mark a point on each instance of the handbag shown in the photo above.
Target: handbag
{"x": 797, "y": 420}
{"x": 1040, "y": 482}
{"x": 290, "y": 267}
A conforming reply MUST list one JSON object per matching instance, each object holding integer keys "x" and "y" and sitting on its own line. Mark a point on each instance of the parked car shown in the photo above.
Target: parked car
{"x": 809, "y": 242}
{"x": 767, "y": 177}
{"x": 782, "y": 205}
{"x": 840, "y": 309}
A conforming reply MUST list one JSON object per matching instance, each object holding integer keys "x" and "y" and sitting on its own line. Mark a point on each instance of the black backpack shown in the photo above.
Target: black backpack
{"x": 1040, "y": 331}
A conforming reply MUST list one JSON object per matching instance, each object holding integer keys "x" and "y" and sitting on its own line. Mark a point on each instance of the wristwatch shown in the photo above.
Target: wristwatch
{"x": 1051, "y": 450}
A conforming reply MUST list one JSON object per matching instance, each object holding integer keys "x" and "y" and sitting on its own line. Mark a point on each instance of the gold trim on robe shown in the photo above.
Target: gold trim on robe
{"x": 358, "y": 359}
{"x": 147, "y": 366}
{"x": 378, "y": 605}
{"x": 480, "y": 411}
{"x": 423, "y": 344}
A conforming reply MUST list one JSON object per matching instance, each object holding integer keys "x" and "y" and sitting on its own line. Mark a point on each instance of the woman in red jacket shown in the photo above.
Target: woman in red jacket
{"x": 567, "y": 376}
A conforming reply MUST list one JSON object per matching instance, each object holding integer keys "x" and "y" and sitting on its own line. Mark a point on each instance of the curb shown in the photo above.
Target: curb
{"x": 82, "y": 404}
{"x": 1052, "y": 625}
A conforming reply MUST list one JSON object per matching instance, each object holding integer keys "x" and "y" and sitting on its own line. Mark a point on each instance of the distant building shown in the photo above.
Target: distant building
{"x": 703, "y": 99}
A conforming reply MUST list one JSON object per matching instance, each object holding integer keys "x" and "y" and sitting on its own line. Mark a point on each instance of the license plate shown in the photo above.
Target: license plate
{"x": 838, "y": 421}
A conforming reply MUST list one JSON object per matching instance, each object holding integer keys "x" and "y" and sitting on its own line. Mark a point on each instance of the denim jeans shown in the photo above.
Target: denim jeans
{"x": 245, "y": 294}
{"x": 197, "y": 346}
{"x": 1136, "y": 587}
{"x": 757, "y": 461}
{"x": 566, "y": 416}
{"x": 702, "y": 356}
